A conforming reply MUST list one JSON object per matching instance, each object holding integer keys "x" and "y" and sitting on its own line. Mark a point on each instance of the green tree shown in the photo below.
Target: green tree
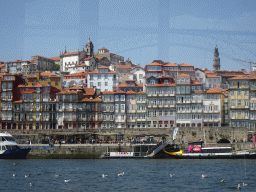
{"x": 55, "y": 67}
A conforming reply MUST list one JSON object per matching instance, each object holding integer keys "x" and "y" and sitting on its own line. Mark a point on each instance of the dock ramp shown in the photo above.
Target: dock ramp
{"x": 154, "y": 150}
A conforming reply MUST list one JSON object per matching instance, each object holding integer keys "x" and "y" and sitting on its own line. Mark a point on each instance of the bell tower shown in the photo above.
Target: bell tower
{"x": 216, "y": 60}
{"x": 89, "y": 48}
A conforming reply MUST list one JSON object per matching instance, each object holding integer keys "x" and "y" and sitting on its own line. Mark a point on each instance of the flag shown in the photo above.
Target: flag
{"x": 175, "y": 133}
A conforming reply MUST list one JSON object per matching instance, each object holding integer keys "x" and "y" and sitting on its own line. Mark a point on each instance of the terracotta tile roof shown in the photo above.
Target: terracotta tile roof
{"x": 171, "y": 65}
{"x": 239, "y": 77}
{"x": 47, "y": 73}
{"x": 210, "y": 75}
{"x": 68, "y": 92}
{"x": 101, "y": 57}
{"x": 75, "y": 87}
{"x": 55, "y": 58}
{"x": 141, "y": 92}
{"x": 154, "y": 64}
{"x": 196, "y": 82}
{"x": 130, "y": 93}
{"x": 82, "y": 65}
{"x": 102, "y": 48}
{"x": 72, "y": 53}
{"x": 186, "y": 65}
{"x": 126, "y": 85}
{"x": 108, "y": 92}
{"x": 89, "y": 91}
{"x": 92, "y": 100}
{"x": 126, "y": 66}
{"x": 215, "y": 90}
{"x": 183, "y": 75}
{"x": 16, "y": 61}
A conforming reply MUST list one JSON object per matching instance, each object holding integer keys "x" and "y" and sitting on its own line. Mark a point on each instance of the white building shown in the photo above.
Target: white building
{"x": 213, "y": 113}
{"x": 138, "y": 75}
{"x": 103, "y": 79}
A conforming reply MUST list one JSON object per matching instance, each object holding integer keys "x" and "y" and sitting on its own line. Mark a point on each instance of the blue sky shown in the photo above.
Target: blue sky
{"x": 178, "y": 31}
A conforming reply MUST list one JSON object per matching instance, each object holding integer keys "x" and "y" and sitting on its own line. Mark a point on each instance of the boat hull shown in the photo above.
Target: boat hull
{"x": 15, "y": 153}
{"x": 235, "y": 156}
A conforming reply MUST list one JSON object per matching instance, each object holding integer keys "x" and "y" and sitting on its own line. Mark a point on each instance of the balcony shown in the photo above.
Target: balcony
{"x": 9, "y": 108}
{"x": 9, "y": 118}
{"x": 45, "y": 99}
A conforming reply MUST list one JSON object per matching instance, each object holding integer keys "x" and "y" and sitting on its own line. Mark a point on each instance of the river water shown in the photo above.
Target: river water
{"x": 139, "y": 175}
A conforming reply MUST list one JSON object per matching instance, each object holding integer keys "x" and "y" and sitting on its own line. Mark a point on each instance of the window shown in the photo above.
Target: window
{"x": 49, "y": 83}
{"x": 149, "y": 113}
{"x": 99, "y": 83}
{"x": 166, "y": 82}
{"x": 154, "y": 113}
{"x": 106, "y": 76}
{"x": 232, "y": 93}
{"x": 152, "y": 82}
{"x": 91, "y": 84}
{"x": 232, "y": 103}
{"x": 239, "y": 113}
{"x": 99, "y": 76}
{"x": 239, "y": 102}
{"x": 106, "y": 83}
{"x": 239, "y": 93}
{"x": 160, "y": 112}
{"x": 246, "y": 92}
{"x": 56, "y": 82}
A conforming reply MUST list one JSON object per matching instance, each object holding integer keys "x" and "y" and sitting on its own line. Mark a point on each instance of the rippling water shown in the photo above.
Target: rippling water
{"x": 139, "y": 175}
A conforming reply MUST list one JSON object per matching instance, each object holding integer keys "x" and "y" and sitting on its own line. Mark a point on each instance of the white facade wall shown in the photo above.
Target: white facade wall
{"x": 103, "y": 83}
{"x": 70, "y": 59}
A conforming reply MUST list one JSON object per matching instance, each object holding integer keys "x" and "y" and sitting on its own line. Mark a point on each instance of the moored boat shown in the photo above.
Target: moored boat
{"x": 196, "y": 151}
{"x": 9, "y": 148}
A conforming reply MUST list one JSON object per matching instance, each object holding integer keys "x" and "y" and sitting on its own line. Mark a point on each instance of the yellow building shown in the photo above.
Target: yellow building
{"x": 45, "y": 79}
{"x": 239, "y": 101}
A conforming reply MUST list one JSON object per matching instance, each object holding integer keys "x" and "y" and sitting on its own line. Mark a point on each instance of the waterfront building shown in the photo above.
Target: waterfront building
{"x": 188, "y": 101}
{"x": 113, "y": 58}
{"x": 225, "y": 75}
{"x": 10, "y": 93}
{"x": 108, "y": 106}
{"x": 56, "y": 60}
{"x": 154, "y": 69}
{"x": 120, "y": 109}
{"x": 240, "y": 101}
{"x": 132, "y": 113}
{"x": 172, "y": 70}
{"x": 75, "y": 79}
{"x": 130, "y": 85}
{"x": 103, "y": 79}
{"x": 141, "y": 109}
{"x": 161, "y": 102}
{"x": 36, "y": 108}
{"x": 213, "y": 107}
{"x": 44, "y": 78}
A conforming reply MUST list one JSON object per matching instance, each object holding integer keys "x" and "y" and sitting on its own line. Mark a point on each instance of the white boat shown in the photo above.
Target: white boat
{"x": 9, "y": 148}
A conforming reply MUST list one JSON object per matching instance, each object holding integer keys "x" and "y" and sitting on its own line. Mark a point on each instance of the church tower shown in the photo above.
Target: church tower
{"x": 216, "y": 60}
{"x": 89, "y": 48}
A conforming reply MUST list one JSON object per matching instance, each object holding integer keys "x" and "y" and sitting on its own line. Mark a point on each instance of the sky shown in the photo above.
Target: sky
{"x": 177, "y": 31}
